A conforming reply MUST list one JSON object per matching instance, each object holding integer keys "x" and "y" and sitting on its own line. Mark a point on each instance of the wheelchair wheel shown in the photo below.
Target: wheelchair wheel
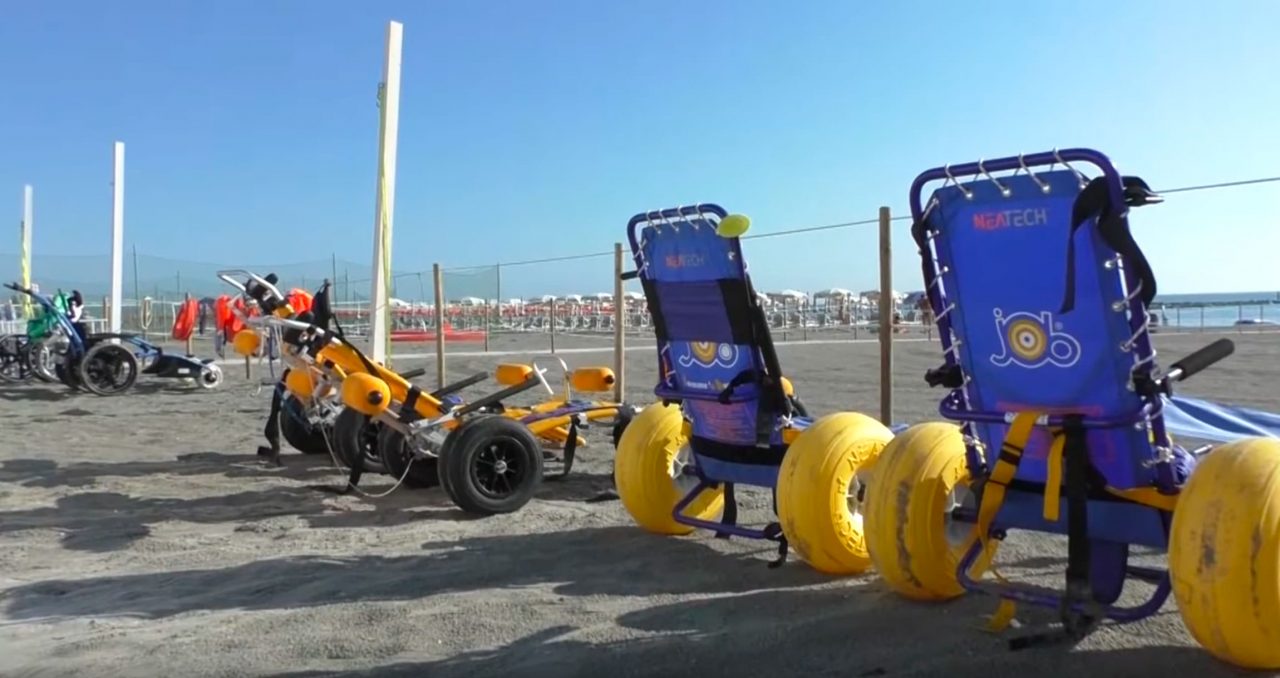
{"x": 1224, "y": 553}
{"x": 210, "y": 377}
{"x": 650, "y": 476}
{"x": 821, "y": 487}
{"x": 14, "y": 363}
{"x": 355, "y": 436}
{"x": 108, "y": 369}
{"x": 915, "y": 546}
{"x": 43, "y": 361}
{"x": 493, "y": 465}
{"x": 299, "y": 431}
{"x": 396, "y": 455}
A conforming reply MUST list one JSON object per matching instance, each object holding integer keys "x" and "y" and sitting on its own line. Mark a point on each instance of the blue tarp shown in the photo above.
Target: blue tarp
{"x": 1203, "y": 420}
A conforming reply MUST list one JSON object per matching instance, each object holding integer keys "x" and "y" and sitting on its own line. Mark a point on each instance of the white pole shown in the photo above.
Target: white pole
{"x": 389, "y": 126}
{"x": 117, "y": 237}
{"x": 27, "y": 216}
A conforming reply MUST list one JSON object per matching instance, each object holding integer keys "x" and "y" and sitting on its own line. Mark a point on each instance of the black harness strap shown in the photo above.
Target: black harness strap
{"x": 272, "y": 430}
{"x": 655, "y": 310}
{"x": 570, "y": 449}
{"x": 357, "y": 470}
{"x": 1095, "y": 201}
{"x": 738, "y": 305}
{"x": 747, "y": 376}
{"x": 408, "y": 411}
{"x": 774, "y": 531}
{"x": 1079, "y": 586}
{"x": 730, "y": 514}
{"x": 1078, "y": 477}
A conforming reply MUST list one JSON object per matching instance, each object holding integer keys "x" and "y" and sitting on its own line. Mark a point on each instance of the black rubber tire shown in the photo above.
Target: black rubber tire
{"x": 15, "y": 361}
{"x": 798, "y": 406}
{"x": 485, "y": 446}
{"x": 300, "y": 433}
{"x": 395, "y": 459}
{"x": 69, "y": 376}
{"x": 357, "y": 434}
{"x": 445, "y": 451}
{"x": 107, "y": 356}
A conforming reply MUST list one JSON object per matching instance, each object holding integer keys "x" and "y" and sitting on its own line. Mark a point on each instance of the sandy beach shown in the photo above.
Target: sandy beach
{"x": 141, "y": 536}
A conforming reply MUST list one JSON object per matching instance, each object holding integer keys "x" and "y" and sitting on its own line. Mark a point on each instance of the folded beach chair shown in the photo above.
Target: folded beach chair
{"x": 727, "y": 415}
{"x": 1040, "y": 295}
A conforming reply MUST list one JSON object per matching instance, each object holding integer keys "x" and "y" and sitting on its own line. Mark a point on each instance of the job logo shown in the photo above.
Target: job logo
{"x": 1030, "y": 340}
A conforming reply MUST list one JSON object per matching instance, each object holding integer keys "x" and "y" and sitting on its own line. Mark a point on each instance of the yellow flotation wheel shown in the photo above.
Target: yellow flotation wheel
{"x": 649, "y": 472}
{"x": 1224, "y": 553}
{"x": 921, "y": 477}
{"x": 821, "y": 484}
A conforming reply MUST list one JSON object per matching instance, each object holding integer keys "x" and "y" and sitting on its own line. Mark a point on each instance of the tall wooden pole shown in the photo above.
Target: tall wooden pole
{"x": 117, "y": 238}
{"x": 439, "y": 284}
{"x": 619, "y": 318}
{"x": 388, "y": 131}
{"x": 886, "y": 319}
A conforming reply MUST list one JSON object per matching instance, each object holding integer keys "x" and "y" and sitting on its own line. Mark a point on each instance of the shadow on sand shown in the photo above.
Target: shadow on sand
{"x": 615, "y": 561}
{"x": 849, "y": 632}
{"x": 50, "y": 473}
{"x": 49, "y": 393}
{"x": 108, "y": 521}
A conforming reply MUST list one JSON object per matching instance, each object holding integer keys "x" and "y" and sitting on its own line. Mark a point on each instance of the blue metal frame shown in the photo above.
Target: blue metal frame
{"x": 953, "y": 406}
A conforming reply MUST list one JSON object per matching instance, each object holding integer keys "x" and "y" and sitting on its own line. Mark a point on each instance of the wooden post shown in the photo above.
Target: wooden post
{"x": 487, "y": 312}
{"x": 25, "y": 263}
{"x": 619, "y": 333}
{"x": 553, "y": 325}
{"x": 886, "y": 319}
{"x": 439, "y": 284}
{"x": 117, "y": 238}
{"x": 388, "y": 133}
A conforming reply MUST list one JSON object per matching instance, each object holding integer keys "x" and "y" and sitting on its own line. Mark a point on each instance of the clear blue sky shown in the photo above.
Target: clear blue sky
{"x": 533, "y": 129}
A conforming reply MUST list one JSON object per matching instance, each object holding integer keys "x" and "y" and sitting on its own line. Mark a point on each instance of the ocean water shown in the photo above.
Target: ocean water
{"x": 1219, "y": 298}
{"x": 1216, "y": 310}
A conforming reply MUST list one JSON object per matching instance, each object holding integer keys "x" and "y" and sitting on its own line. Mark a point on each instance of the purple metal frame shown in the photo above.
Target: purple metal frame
{"x": 1043, "y": 598}
{"x": 1137, "y": 314}
{"x": 953, "y": 406}
{"x": 705, "y": 484}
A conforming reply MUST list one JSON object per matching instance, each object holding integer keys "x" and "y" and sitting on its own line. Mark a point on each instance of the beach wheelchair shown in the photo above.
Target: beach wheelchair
{"x": 108, "y": 364}
{"x": 488, "y": 456}
{"x": 1040, "y": 296}
{"x": 727, "y": 414}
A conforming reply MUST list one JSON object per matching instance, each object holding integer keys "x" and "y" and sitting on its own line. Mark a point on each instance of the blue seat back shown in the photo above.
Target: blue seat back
{"x": 708, "y": 323}
{"x": 1000, "y": 260}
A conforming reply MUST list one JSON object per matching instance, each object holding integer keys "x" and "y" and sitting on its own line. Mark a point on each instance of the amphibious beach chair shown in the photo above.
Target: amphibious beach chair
{"x": 488, "y": 456}
{"x": 109, "y": 363}
{"x": 1040, "y": 295}
{"x": 727, "y": 414}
